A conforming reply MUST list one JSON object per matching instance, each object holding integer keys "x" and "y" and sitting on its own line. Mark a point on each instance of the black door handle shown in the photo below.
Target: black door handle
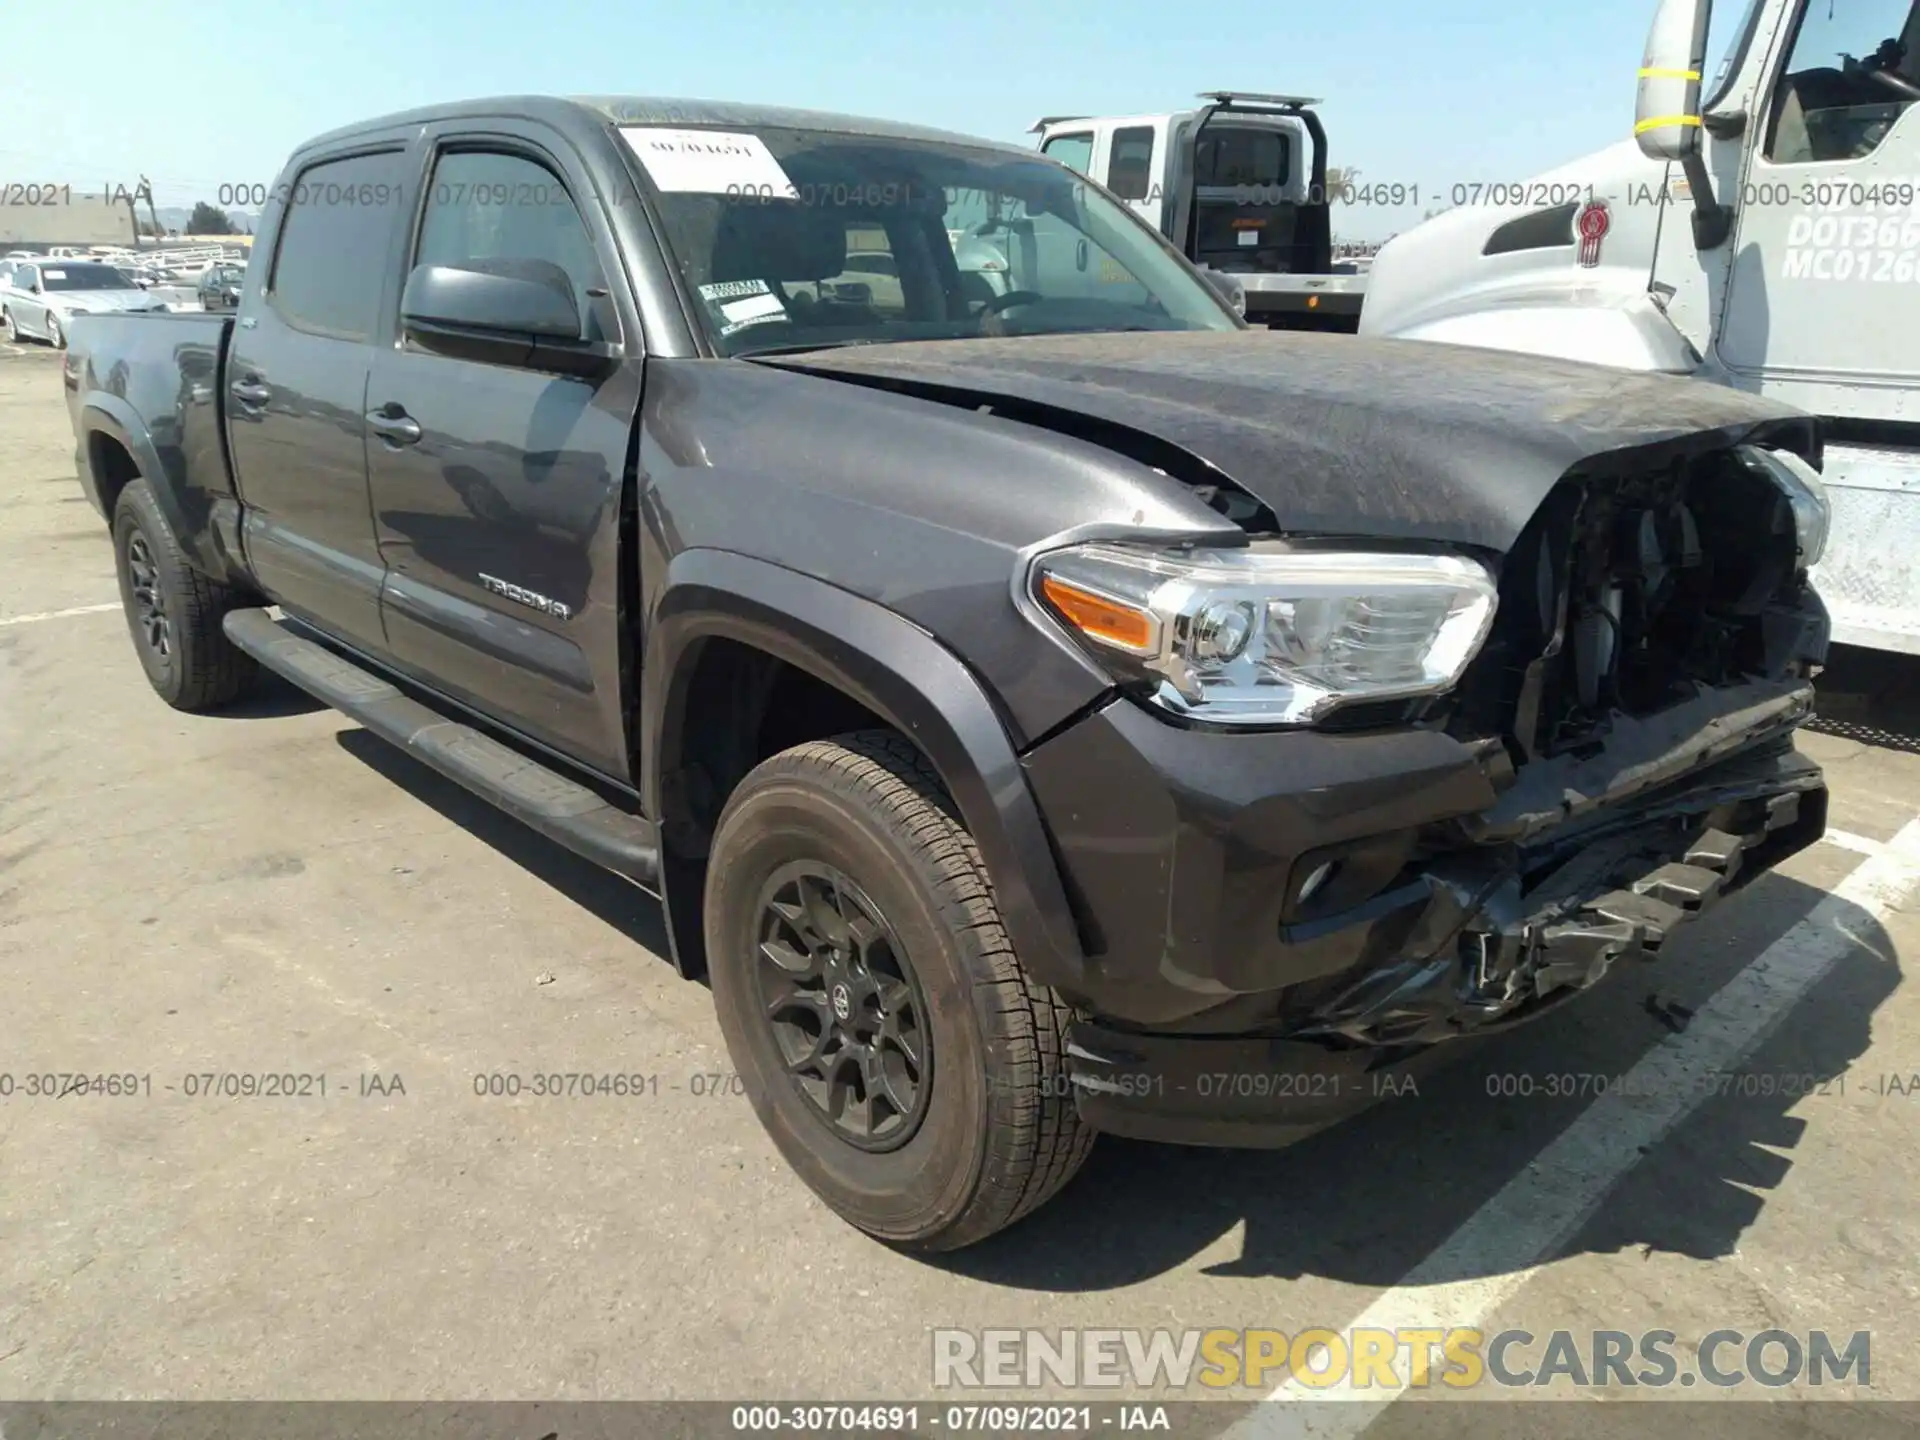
{"x": 250, "y": 392}
{"x": 393, "y": 425}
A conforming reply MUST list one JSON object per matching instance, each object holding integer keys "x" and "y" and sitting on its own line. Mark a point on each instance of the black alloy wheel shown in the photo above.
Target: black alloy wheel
{"x": 151, "y": 623}
{"x": 844, "y": 1005}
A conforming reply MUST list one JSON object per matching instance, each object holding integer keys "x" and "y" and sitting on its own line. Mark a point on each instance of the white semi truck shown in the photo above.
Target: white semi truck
{"x": 1239, "y": 184}
{"x": 1762, "y": 230}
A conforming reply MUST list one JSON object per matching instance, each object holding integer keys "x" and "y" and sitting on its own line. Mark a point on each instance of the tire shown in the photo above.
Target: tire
{"x": 56, "y": 337}
{"x": 997, "y": 1133}
{"x": 9, "y": 332}
{"x": 188, "y": 659}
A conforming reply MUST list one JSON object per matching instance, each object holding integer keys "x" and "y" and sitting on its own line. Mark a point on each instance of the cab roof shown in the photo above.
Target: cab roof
{"x": 596, "y": 112}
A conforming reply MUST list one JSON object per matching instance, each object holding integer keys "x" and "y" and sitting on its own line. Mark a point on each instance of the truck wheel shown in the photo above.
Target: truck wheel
{"x": 882, "y": 1027}
{"x": 174, "y": 611}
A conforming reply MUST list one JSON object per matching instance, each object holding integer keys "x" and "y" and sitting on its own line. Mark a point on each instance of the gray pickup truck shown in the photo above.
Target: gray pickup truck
{"x": 1042, "y": 707}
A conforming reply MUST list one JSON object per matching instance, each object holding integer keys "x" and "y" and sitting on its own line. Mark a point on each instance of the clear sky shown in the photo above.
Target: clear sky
{"x": 200, "y": 94}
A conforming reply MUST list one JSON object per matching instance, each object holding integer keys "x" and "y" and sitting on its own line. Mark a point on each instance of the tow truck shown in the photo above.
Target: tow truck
{"x": 1761, "y": 230}
{"x": 1239, "y": 185}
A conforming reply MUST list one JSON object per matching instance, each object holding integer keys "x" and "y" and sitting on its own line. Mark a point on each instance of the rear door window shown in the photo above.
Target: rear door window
{"x": 331, "y": 259}
{"x": 1130, "y": 162}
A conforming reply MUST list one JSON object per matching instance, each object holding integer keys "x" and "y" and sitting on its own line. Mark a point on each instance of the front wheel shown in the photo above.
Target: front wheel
{"x": 56, "y": 337}
{"x": 901, "y": 1060}
{"x": 173, "y": 611}
{"x": 9, "y": 332}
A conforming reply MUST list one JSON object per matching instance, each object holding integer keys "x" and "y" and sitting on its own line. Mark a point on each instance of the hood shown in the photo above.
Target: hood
{"x": 1339, "y": 436}
{"x": 99, "y": 302}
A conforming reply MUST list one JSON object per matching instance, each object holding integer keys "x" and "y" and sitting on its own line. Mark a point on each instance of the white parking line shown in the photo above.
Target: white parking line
{"x": 1507, "y": 1239}
{"x": 1859, "y": 844}
{"x": 58, "y": 614}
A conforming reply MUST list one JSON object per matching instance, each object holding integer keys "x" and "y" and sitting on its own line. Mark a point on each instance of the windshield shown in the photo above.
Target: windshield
{"x": 228, "y": 276}
{"x": 79, "y": 275}
{"x": 802, "y": 238}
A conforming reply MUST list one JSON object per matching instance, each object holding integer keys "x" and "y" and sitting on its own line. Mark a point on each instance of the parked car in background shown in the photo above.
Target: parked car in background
{"x": 44, "y": 296}
{"x": 219, "y": 288}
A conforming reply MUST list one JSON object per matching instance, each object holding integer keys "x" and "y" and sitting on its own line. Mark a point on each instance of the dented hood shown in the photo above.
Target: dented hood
{"x": 1385, "y": 439}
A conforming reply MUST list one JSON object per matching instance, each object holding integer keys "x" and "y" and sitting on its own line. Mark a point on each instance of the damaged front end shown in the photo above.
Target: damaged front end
{"x": 1625, "y": 744}
{"x": 1657, "y": 653}
{"x": 1517, "y": 928}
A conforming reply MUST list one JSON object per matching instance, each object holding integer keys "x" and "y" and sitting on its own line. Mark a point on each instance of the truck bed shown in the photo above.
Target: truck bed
{"x": 161, "y": 377}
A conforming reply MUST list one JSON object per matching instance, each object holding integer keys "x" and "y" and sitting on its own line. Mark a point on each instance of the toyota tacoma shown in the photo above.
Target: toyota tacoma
{"x": 1042, "y": 708}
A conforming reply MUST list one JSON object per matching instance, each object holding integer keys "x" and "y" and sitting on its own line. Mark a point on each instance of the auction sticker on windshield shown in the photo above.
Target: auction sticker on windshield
{"x": 709, "y": 162}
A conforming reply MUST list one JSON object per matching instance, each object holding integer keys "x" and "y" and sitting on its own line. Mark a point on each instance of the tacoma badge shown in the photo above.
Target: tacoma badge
{"x": 526, "y": 597}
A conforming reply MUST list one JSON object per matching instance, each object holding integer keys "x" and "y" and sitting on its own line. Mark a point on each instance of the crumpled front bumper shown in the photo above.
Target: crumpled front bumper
{"x": 1501, "y": 914}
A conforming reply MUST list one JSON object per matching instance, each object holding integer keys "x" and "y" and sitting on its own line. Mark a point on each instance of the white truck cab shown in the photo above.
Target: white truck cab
{"x": 1239, "y": 184}
{"x": 1760, "y": 229}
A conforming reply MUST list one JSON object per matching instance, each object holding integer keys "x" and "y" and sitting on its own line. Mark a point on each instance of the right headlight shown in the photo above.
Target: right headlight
{"x": 1806, "y": 494}
{"x": 1270, "y": 634}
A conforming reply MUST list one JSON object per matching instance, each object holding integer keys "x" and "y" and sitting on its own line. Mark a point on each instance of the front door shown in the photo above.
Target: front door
{"x": 1823, "y": 298}
{"x": 497, "y": 486}
{"x": 1825, "y": 283}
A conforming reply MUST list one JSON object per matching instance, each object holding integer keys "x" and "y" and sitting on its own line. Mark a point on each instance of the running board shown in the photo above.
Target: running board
{"x": 559, "y": 808}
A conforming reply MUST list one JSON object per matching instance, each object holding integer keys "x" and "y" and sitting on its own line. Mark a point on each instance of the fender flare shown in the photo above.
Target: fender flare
{"x": 895, "y": 669}
{"x": 195, "y": 517}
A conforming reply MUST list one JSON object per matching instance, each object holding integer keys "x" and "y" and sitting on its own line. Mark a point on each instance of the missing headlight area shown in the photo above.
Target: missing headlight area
{"x": 1627, "y": 593}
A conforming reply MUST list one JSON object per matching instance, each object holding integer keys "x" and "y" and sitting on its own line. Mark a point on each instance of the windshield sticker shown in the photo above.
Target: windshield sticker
{"x": 709, "y": 162}
{"x": 53, "y": 274}
{"x": 727, "y": 289}
{"x": 751, "y": 310}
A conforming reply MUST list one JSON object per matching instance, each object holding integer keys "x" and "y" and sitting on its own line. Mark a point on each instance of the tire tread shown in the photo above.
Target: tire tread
{"x": 213, "y": 670}
{"x": 1036, "y": 1141}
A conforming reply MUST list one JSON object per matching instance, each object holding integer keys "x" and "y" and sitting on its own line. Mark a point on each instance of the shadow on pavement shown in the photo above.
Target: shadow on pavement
{"x": 608, "y": 897}
{"x": 1872, "y": 696}
{"x": 1364, "y": 1202}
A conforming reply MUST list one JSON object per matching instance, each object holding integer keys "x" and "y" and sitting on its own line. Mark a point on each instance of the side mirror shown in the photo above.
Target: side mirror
{"x": 1666, "y": 111}
{"x": 526, "y": 316}
{"x": 443, "y": 297}
{"x": 1666, "y": 118}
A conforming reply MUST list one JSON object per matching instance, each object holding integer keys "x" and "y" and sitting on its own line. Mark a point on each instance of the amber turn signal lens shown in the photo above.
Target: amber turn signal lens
{"x": 1109, "y": 621}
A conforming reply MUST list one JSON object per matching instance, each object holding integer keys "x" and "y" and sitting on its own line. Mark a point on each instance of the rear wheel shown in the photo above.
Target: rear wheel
{"x": 8, "y": 330}
{"x": 173, "y": 611}
{"x": 893, "y": 1048}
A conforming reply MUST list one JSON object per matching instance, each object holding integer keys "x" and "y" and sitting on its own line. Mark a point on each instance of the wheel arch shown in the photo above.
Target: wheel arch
{"x": 717, "y": 606}
{"x": 117, "y": 448}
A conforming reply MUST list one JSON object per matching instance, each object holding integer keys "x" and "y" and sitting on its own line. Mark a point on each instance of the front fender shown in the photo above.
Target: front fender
{"x": 895, "y": 669}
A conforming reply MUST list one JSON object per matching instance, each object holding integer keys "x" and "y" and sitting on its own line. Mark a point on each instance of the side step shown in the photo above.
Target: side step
{"x": 557, "y": 807}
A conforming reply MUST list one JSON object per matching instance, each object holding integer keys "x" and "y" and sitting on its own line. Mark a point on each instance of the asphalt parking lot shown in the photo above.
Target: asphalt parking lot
{"x": 273, "y": 891}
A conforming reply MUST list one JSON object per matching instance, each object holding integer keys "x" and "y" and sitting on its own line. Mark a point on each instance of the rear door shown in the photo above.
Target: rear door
{"x": 497, "y": 486}
{"x": 296, "y": 392}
